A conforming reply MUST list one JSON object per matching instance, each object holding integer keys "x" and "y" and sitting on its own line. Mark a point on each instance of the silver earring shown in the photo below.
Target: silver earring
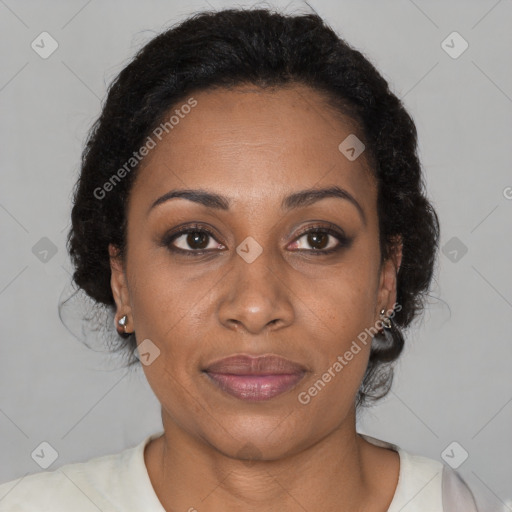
{"x": 122, "y": 322}
{"x": 386, "y": 321}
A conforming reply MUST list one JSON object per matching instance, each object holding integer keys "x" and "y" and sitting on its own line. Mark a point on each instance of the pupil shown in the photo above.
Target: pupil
{"x": 197, "y": 240}
{"x": 313, "y": 240}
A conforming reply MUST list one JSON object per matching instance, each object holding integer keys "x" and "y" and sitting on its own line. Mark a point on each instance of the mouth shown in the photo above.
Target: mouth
{"x": 255, "y": 378}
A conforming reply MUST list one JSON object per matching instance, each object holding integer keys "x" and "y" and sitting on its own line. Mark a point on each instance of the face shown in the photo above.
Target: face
{"x": 258, "y": 273}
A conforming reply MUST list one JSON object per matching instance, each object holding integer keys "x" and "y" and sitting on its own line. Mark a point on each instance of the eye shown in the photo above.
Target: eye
{"x": 194, "y": 240}
{"x": 197, "y": 240}
{"x": 323, "y": 240}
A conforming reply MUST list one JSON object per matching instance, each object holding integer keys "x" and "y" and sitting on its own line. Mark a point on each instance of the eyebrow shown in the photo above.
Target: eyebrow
{"x": 296, "y": 200}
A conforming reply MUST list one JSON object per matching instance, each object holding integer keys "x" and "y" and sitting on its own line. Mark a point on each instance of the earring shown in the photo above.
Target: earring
{"x": 386, "y": 321}
{"x": 122, "y": 322}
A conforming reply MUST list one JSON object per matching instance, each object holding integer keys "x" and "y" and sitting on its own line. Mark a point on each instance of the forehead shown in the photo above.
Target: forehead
{"x": 257, "y": 144}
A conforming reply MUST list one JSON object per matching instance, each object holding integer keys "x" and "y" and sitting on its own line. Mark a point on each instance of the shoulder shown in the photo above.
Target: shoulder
{"x": 456, "y": 494}
{"x": 101, "y": 483}
{"x": 427, "y": 485}
{"x": 75, "y": 486}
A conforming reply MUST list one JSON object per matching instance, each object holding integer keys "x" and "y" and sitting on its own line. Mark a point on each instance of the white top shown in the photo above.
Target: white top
{"x": 120, "y": 483}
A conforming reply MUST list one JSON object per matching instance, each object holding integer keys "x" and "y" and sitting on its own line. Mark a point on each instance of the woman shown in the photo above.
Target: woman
{"x": 251, "y": 207}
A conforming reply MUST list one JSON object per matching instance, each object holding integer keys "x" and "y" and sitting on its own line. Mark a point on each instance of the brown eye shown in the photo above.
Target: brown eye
{"x": 191, "y": 241}
{"x": 321, "y": 240}
{"x": 197, "y": 239}
{"x": 317, "y": 239}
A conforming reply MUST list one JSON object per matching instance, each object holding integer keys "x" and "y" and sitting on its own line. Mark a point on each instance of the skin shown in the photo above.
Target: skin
{"x": 256, "y": 147}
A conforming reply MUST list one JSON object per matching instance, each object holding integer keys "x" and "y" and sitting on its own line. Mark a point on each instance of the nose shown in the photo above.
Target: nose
{"x": 256, "y": 296}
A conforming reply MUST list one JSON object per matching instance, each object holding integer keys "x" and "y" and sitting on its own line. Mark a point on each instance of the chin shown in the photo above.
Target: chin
{"x": 256, "y": 437}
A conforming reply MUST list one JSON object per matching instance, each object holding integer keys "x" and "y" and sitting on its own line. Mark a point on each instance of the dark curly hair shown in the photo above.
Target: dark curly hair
{"x": 261, "y": 47}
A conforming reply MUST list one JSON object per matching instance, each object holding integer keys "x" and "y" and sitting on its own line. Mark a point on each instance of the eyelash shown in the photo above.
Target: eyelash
{"x": 343, "y": 241}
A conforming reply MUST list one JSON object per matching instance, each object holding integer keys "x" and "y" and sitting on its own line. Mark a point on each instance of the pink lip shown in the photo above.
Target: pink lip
{"x": 255, "y": 378}
{"x": 255, "y": 387}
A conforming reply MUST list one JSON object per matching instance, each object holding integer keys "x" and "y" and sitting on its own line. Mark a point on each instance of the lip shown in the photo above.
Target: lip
{"x": 242, "y": 364}
{"x": 255, "y": 378}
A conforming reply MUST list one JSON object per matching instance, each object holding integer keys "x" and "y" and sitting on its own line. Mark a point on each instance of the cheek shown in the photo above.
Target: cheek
{"x": 343, "y": 300}
{"x": 163, "y": 295}
{"x": 345, "y": 340}
{"x": 163, "y": 309}
{"x": 171, "y": 300}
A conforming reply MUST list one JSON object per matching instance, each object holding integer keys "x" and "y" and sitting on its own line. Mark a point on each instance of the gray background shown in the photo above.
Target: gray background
{"x": 453, "y": 382}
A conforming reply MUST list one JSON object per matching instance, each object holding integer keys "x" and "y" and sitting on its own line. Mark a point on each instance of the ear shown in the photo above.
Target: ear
{"x": 388, "y": 277}
{"x": 118, "y": 281}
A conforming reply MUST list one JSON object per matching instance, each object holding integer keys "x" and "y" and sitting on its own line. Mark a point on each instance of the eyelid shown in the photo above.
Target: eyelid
{"x": 330, "y": 229}
{"x": 320, "y": 226}
{"x": 168, "y": 238}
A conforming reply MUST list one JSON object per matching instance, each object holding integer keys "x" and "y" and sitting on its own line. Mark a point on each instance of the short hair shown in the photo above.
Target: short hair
{"x": 265, "y": 48}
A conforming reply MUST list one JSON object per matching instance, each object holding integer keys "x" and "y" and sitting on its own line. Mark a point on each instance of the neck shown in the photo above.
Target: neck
{"x": 187, "y": 473}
